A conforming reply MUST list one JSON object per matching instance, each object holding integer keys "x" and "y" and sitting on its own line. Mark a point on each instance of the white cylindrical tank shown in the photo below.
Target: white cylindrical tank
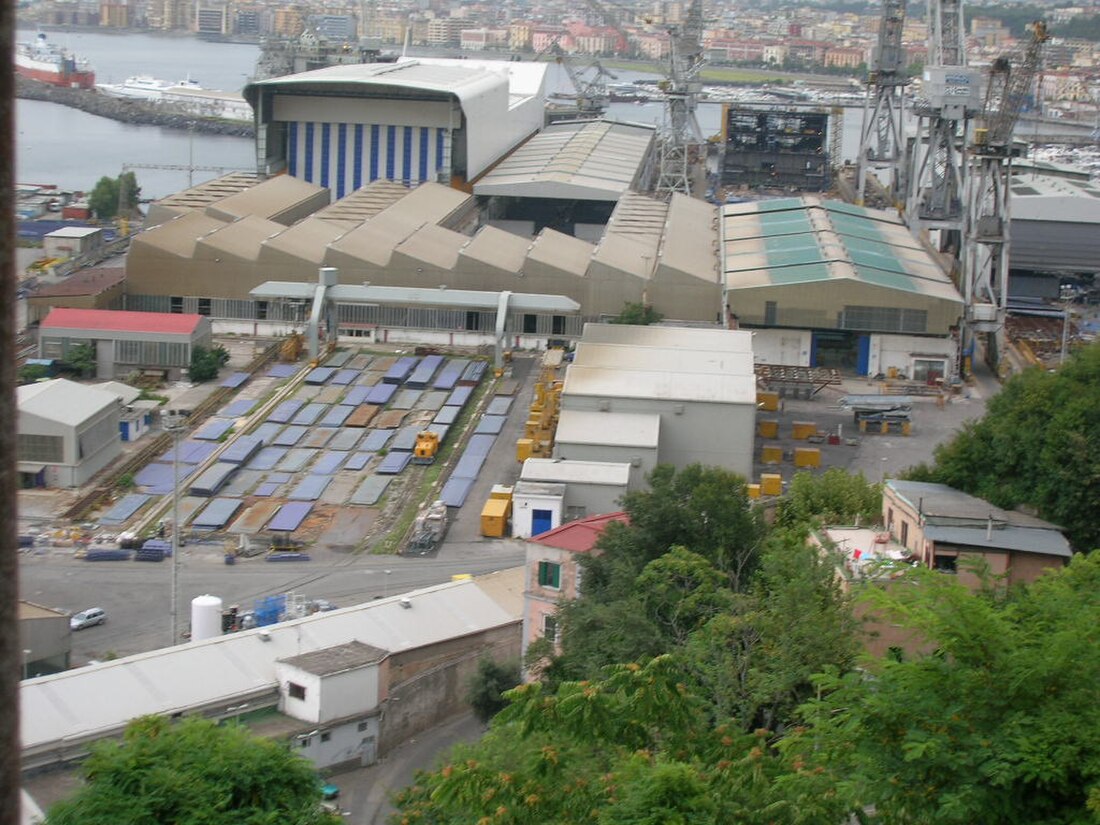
{"x": 206, "y": 617}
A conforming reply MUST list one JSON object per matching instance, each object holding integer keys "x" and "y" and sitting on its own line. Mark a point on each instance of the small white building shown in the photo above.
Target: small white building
{"x": 551, "y": 492}
{"x": 622, "y": 438}
{"x": 67, "y": 433}
{"x": 72, "y": 241}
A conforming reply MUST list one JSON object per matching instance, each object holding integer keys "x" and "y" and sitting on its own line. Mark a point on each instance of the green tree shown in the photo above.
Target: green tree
{"x": 29, "y": 373}
{"x": 486, "y": 687}
{"x": 205, "y": 364}
{"x": 1038, "y": 444}
{"x": 81, "y": 359}
{"x": 833, "y": 497}
{"x": 637, "y": 314}
{"x": 192, "y": 772}
{"x": 105, "y": 197}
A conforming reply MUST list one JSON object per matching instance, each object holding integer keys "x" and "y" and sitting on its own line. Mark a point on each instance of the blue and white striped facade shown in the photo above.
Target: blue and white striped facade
{"x": 345, "y": 156}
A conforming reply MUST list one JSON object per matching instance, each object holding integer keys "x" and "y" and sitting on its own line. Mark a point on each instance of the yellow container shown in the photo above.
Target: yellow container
{"x": 801, "y": 430}
{"x": 771, "y": 454}
{"x": 501, "y": 491}
{"x": 494, "y": 518}
{"x": 753, "y": 490}
{"x": 771, "y": 484}
{"x": 768, "y": 401}
{"x": 524, "y": 448}
{"x": 906, "y": 427}
{"x": 807, "y": 457}
{"x": 531, "y": 428}
{"x": 767, "y": 428}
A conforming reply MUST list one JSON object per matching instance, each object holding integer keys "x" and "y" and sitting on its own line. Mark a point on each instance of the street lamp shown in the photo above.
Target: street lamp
{"x": 175, "y": 423}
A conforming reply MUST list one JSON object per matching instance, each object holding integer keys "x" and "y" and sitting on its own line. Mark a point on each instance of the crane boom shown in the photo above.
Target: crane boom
{"x": 880, "y": 144}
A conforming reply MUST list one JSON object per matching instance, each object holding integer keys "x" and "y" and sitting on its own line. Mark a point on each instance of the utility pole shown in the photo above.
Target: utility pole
{"x": 175, "y": 423}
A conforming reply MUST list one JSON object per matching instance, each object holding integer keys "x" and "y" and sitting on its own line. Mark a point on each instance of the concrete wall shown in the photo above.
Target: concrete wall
{"x": 594, "y": 498}
{"x": 49, "y": 641}
{"x": 308, "y": 708}
{"x": 790, "y": 347}
{"x": 900, "y": 351}
{"x": 524, "y": 505}
{"x": 351, "y": 743}
{"x": 642, "y": 460}
{"x": 348, "y": 693}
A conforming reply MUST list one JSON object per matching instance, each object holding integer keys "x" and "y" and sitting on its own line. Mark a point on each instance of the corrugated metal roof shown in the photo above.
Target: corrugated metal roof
{"x": 266, "y": 199}
{"x": 179, "y": 235}
{"x": 610, "y": 428}
{"x": 561, "y": 251}
{"x": 668, "y": 386}
{"x": 557, "y": 471}
{"x": 672, "y": 358}
{"x": 595, "y": 160}
{"x": 1003, "y": 537}
{"x": 363, "y": 204}
{"x": 112, "y": 320}
{"x": 715, "y": 338}
{"x": 243, "y": 238}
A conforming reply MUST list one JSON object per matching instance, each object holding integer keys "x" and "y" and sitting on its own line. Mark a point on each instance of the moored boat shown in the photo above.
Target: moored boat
{"x": 43, "y": 61}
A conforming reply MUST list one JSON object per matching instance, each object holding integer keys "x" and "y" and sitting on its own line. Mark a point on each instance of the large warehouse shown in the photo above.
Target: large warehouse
{"x": 834, "y": 285}
{"x": 417, "y": 120}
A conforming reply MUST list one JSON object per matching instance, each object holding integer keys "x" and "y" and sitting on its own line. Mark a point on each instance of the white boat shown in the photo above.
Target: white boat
{"x": 144, "y": 87}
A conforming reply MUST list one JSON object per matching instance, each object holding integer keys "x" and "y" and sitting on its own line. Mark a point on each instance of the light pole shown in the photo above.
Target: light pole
{"x": 386, "y": 586}
{"x": 175, "y": 422}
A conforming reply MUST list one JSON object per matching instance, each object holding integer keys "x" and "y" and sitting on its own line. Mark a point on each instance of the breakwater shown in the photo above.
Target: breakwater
{"x": 138, "y": 112}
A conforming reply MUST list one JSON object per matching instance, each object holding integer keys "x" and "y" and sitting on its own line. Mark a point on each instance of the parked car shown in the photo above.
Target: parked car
{"x": 88, "y": 618}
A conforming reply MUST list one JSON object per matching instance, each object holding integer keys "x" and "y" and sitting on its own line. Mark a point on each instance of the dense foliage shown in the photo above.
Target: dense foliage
{"x": 1038, "y": 445}
{"x": 111, "y": 194}
{"x": 637, "y": 314}
{"x": 485, "y": 689}
{"x": 205, "y": 363}
{"x": 193, "y": 772}
{"x": 708, "y": 675}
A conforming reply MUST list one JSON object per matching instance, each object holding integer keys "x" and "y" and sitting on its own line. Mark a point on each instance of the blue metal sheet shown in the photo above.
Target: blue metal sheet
{"x": 235, "y": 409}
{"x": 328, "y": 463}
{"x": 338, "y": 358}
{"x": 393, "y": 464}
{"x": 422, "y": 375}
{"x": 405, "y": 440}
{"x": 266, "y": 489}
{"x": 450, "y": 374}
{"x": 289, "y": 436}
{"x": 290, "y": 515}
{"x": 285, "y": 411}
{"x": 459, "y": 397}
{"x": 217, "y": 514}
{"x": 381, "y": 393}
{"x": 158, "y": 476}
{"x": 234, "y": 380}
{"x": 358, "y": 461}
{"x": 371, "y": 490}
{"x": 499, "y": 405}
{"x": 447, "y": 415}
{"x": 195, "y": 452}
{"x": 439, "y": 429}
{"x": 309, "y": 414}
{"x": 400, "y": 370}
{"x": 212, "y": 479}
{"x": 344, "y": 377}
{"x": 336, "y": 416}
{"x": 310, "y": 488}
{"x": 346, "y": 438}
{"x": 282, "y": 371}
{"x": 280, "y": 478}
{"x": 405, "y": 399}
{"x": 296, "y": 460}
{"x": 267, "y": 431}
{"x": 490, "y": 425}
{"x": 474, "y": 372}
{"x": 468, "y": 466}
{"x": 126, "y": 507}
{"x": 355, "y": 396}
{"x": 375, "y": 440}
{"x": 317, "y": 437}
{"x": 241, "y": 450}
{"x": 267, "y": 458}
{"x": 480, "y": 444}
{"x": 319, "y": 375}
{"x": 456, "y": 490}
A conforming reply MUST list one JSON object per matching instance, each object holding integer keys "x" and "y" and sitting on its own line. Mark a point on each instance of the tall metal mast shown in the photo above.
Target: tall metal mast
{"x": 986, "y": 240}
{"x": 682, "y": 135}
{"x": 949, "y": 99}
{"x": 880, "y": 144}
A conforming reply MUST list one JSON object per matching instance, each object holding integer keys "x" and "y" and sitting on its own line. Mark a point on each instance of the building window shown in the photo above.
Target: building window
{"x": 557, "y": 324}
{"x": 261, "y": 310}
{"x": 304, "y": 742}
{"x": 326, "y": 736}
{"x": 362, "y": 726}
{"x": 771, "y": 312}
{"x": 175, "y": 304}
{"x": 204, "y": 306}
{"x": 295, "y": 691}
{"x": 928, "y": 370}
{"x": 889, "y": 518}
{"x": 905, "y": 533}
{"x": 574, "y": 512}
{"x": 550, "y": 628}
{"x": 549, "y": 574}
{"x": 473, "y": 321}
{"x": 945, "y": 564}
{"x": 530, "y": 323}
{"x": 49, "y": 449}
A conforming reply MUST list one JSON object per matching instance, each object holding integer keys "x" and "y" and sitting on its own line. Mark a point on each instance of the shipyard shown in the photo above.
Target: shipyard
{"x": 347, "y": 420}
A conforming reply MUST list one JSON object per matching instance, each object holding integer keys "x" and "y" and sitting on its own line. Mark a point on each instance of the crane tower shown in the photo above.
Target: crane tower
{"x": 986, "y": 239}
{"x": 682, "y": 135}
{"x": 949, "y": 99}
{"x": 880, "y": 143}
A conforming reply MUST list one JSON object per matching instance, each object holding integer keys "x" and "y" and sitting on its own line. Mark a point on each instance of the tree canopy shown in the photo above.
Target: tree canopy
{"x": 1039, "y": 445}
{"x": 111, "y": 193}
{"x": 193, "y": 772}
{"x": 205, "y": 363}
{"x": 637, "y": 314}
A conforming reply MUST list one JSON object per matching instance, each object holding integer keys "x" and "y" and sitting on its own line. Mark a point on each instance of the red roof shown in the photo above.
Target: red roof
{"x": 579, "y": 536}
{"x": 121, "y": 321}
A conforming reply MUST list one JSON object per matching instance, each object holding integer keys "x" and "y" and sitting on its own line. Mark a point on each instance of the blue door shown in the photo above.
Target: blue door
{"x": 540, "y": 521}
{"x": 863, "y": 357}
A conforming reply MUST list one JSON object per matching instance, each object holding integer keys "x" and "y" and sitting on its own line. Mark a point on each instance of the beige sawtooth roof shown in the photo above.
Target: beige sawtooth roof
{"x": 364, "y": 203}
{"x": 495, "y": 247}
{"x": 560, "y": 251}
{"x": 690, "y": 242}
{"x": 432, "y": 245}
{"x": 242, "y": 238}
{"x": 180, "y": 235}
{"x": 307, "y": 240}
{"x": 272, "y": 199}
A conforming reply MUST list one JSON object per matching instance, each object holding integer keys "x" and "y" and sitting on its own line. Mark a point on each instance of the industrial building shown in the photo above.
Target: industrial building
{"x": 838, "y": 286}
{"x": 417, "y": 120}
{"x": 350, "y": 684}
{"x": 45, "y": 639}
{"x": 1055, "y": 228}
{"x": 126, "y": 342}
{"x": 551, "y": 492}
{"x": 98, "y": 288}
{"x": 67, "y": 432}
{"x": 72, "y": 241}
{"x": 694, "y": 388}
{"x": 773, "y": 148}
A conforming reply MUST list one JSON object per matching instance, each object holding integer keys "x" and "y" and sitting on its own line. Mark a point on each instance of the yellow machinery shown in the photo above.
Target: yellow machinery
{"x": 542, "y": 420}
{"x": 496, "y": 512}
{"x": 291, "y": 349}
{"x": 427, "y": 445}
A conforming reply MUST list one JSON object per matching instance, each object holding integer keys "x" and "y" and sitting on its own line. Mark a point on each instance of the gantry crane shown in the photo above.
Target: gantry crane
{"x": 936, "y": 182}
{"x": 986, "y": 238}
{"x": 881, "y": 145}
{"x": 592, "y": 97}
{"x": 681, "y": 137}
